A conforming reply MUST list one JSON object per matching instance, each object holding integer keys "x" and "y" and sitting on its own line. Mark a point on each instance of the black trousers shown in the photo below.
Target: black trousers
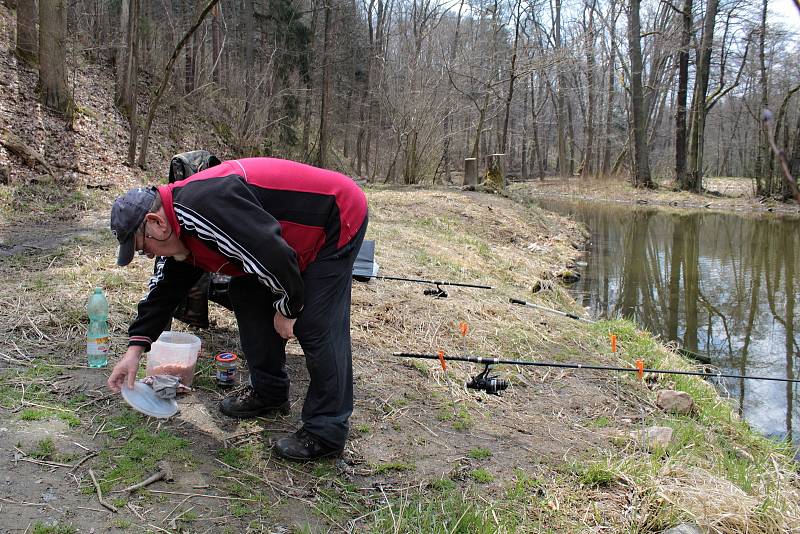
{"x": 323, "y": 331}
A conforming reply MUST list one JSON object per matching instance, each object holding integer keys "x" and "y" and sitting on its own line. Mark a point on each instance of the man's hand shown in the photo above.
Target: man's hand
{"x": 284, "y": 326}
{"x": 124, "y": 372}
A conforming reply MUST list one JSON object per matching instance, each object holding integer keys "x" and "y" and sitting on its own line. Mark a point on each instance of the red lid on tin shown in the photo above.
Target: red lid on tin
{"x": 225, "y": 357}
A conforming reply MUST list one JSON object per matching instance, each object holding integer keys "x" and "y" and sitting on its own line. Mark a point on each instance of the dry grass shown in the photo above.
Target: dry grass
{"x": 722, "y": 193}
{"x": 561, "y": 456}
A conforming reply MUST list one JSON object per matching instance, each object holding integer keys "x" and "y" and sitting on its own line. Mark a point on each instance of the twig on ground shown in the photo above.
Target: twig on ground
{"x": 133, "y": 509}
{"x": 163, "y": 521}
{"x": 24, "y": 456}
{"x": 23, "y": 503}
{"x": 56, "y": 408}
{"x": 173, "y": 522}
{"x": 11, "y": 359}
{"x": 222, "y": 497}
{"x": 100, "y": 494}
{"x": 82, "y": 460}
{"x": 98, "y": 399}
{"x": 164, "y": 473}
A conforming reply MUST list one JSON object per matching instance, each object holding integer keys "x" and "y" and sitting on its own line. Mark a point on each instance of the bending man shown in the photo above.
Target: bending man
{"x": 288, "y": 233}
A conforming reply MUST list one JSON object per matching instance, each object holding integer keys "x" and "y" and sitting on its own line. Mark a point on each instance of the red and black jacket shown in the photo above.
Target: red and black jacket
{"x": 261, "y": 216}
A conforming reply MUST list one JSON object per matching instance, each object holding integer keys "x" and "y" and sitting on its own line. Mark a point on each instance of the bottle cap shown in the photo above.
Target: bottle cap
{"x": 226, "y": 357}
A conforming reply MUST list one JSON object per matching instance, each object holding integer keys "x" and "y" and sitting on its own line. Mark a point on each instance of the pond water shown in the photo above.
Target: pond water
{"x": 721, "y": 285}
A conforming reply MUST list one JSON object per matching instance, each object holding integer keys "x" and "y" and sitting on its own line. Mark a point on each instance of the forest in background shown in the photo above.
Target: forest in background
{"x": 402, "y": 91}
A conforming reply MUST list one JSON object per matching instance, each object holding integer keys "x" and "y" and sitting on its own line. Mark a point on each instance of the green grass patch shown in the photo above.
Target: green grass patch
{"x": 241, "y": 457}
{"x": 479, "y": 453}
{"x": 600, "y": 422}
{"x": 57, "y": 528}
{"x": 45, "y": 449}
{"x": 445, "y": 510}
{"x": 458, "y": 416}
{"x": 594, "y": 474}
{"x": 122, "y": 524}
{"x": 34, "y": 414}
{"x": 393, "y": 467}
{"x": 140, "y": 455}
{"x": 481, "y": 476}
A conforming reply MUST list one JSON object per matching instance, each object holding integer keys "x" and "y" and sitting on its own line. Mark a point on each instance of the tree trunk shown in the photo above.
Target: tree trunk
{"x": 763, "y": 171}
{"x": 216, "y": 45}
{"x": 131, "y": 91}
{"x": 327, "y": 45}
{"x": 561, "y": 113}
{"x": 537, "y": 152}
{"x": 605, "y": 166}
{"x": 449, "y": 109}
{"x": 699, "y": 107}
{"x": 27, "y": 31}
{"x": 512, "y": 77}
{"x": 641, "y": 161}
{"x": 683, "y": 86}
{"x": 53, "y": 56}
{"x": 588, "y": 155}
{"x": 165, "y": 78}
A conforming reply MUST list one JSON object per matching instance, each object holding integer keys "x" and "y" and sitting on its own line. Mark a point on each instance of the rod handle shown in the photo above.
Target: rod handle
{"x": 517, "y": 301}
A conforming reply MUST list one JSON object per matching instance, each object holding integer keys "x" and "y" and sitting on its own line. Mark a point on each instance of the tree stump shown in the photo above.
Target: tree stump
{"x": 495, "y": 173}
{"x": 471, "y": 172}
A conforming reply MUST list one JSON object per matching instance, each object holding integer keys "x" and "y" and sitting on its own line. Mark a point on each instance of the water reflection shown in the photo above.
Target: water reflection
{"x": 721, "y": 285}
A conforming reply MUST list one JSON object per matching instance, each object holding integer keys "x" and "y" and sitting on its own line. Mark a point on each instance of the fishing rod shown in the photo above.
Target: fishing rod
{"x": 551, "y": 310}
{"x": 438, "y": 292}
{"x": 494, "y": 385}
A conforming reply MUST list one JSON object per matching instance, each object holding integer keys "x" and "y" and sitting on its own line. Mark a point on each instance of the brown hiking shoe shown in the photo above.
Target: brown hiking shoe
{"x": 246, "y": 403}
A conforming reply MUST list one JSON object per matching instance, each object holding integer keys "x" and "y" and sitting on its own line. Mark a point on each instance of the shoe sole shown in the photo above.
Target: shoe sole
{"x": 303, "y": 459}
{"x": 282, "y": 410}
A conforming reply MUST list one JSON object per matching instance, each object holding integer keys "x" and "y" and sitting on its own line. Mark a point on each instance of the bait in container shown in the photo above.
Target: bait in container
{"x": 226, "y": 369}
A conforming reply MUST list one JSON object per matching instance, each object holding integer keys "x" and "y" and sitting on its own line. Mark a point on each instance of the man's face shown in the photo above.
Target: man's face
{"x": 156, "y": 238}
{"x": 141, "y": 242}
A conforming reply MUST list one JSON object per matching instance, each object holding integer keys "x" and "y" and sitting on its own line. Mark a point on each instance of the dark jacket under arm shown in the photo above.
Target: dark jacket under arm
{"x": 169, "y": 285}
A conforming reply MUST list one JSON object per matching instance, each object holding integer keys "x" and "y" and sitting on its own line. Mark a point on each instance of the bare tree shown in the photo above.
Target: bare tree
{"x": 53, "y": 56}
{"x": 694, "y": 181}
{"x": 682, "y": 95}
{"x": 165, "y": 78}
{"x": 27, "y": 31}
{"x": 641, "y": 162}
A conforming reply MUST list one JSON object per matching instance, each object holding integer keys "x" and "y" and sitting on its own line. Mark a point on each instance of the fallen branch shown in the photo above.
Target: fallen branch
{"x": 100, "y": 494}
{"x": 164, "y": 473}
{"x": 17, "y": 146}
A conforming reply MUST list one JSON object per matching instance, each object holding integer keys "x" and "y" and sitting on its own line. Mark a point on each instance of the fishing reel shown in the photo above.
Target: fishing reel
{"x": 437, "y": 293}
{"x": 489, "y": 383}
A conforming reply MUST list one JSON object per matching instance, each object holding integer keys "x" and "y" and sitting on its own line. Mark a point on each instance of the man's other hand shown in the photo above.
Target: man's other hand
{"x": 124, "y": 372}
{"x": 284, "y": 326}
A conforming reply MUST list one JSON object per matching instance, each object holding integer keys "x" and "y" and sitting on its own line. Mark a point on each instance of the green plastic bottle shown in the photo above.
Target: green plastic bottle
{"x": 97, "y": 335}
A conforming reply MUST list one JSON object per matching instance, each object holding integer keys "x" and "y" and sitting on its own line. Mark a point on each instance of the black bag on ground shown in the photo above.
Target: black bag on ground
{"x": 194, "y": 309}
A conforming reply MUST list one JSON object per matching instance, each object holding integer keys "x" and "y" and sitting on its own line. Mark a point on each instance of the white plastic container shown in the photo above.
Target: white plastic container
{"x": 174, "y": 353}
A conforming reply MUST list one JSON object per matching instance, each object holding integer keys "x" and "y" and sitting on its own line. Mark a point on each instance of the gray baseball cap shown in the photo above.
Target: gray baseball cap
{"x": 127, "y": 215}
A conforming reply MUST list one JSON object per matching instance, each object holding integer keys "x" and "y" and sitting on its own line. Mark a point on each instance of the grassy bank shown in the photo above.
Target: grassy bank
{"x": 559, "y": 452}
